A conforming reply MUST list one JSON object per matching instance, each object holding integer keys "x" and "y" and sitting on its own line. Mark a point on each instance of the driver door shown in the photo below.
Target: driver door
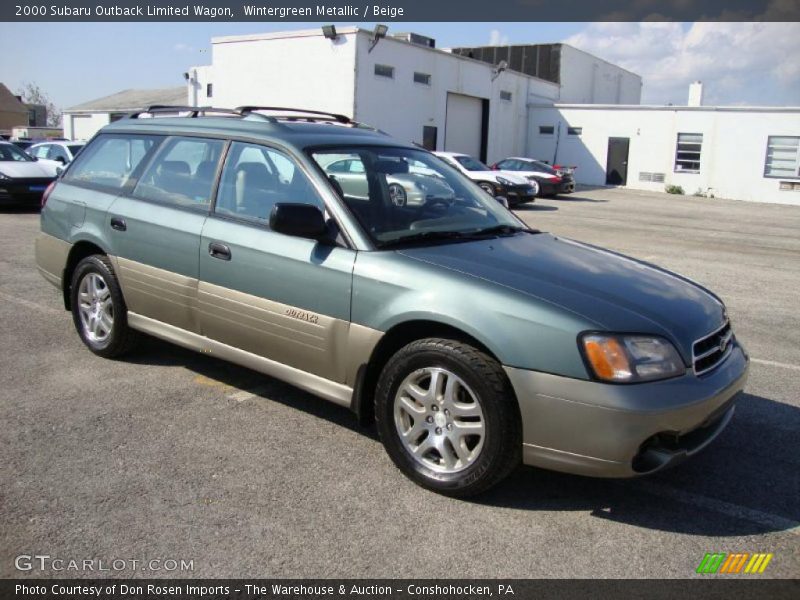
{"x": 283, "y": 298}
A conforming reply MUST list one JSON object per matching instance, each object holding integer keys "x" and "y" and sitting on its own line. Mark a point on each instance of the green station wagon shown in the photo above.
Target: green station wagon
{"x": 370, "y": 273}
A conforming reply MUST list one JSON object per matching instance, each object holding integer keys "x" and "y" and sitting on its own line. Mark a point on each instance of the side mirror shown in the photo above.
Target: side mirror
{"x": 299, "y": 220}
{"x": 502, "y": 200}
{"x": 59, "y": 171}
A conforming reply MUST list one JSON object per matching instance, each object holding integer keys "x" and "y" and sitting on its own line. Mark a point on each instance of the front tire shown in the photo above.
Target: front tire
{"x": 98, "y": 308}
{"x": 448, "y": 417}
{"x": 488, "y": 188}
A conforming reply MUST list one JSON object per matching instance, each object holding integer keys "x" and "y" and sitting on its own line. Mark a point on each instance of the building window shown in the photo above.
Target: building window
{"x": 687, "y": 153}
{"x": 384, "y": 71}
{"x": 505, "y": 96}
{"x": 32, "y": 118}
{"x": 546, "y": 129}
{"x": 209, "y": 90}
{"x": 574, "y": 130}
{"x": 422, "y": 78}
{"x": 783, "y": 156}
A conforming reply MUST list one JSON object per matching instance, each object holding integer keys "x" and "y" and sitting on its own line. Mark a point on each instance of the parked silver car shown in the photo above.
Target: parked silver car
{"x": 410, "y": 183}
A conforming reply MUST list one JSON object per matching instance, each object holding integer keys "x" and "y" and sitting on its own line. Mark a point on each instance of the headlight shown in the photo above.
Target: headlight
{"x": 503, "y": 181}
{"x": 631, "y": 358}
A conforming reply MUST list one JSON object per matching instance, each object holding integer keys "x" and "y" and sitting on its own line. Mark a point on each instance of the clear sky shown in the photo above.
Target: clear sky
{"x": 740, "y": 63}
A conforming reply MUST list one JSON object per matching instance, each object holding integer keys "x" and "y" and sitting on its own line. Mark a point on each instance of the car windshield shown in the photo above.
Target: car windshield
{"x": 9, "y": 152}
{"x": 404, "y": 196}
{"x": 471, "y": 164}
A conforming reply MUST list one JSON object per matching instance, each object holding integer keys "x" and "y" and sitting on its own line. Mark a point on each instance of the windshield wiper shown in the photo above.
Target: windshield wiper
{"x": 426, "y": 236}
{"x": 434, "y": 236}
{"x": 502, "y": 229}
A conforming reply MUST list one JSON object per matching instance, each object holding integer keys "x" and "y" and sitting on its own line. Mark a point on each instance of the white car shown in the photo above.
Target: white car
{"x": 61, "y": 152}
{"x": 515, "y": 188}
{"x": 23, "y": 179}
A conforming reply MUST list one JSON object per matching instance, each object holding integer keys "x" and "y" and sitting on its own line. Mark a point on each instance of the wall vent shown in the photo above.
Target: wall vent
{"x": 651, "y": 177}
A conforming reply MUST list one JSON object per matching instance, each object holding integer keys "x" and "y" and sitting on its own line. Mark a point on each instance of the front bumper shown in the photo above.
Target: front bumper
{"x": 25, "y": 192}
{"x": 547, "y": 188}
{"x": 517, "y": 194}
{"x": 606, "y": 430}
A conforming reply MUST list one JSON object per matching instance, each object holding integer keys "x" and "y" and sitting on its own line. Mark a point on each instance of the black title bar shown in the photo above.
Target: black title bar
{"x": 712, "y": 588}
{"x": 399, "y": 10}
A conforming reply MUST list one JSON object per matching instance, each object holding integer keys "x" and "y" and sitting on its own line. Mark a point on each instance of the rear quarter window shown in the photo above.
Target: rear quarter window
{"x": 109, "y": 161}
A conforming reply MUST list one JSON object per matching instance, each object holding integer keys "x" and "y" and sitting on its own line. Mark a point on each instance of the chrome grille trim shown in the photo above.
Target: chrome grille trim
{"x": 713, "y": 349}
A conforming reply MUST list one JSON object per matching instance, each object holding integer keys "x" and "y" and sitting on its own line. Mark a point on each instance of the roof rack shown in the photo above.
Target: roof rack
{"x": 295, "y": 114}
{"x": 194, "y": 111}
{"x": 313, "y": 115}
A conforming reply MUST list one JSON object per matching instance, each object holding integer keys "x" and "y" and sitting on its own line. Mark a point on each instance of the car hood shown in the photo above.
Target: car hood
{"x": 27, "y": 169}
{"x": 612, "y": 292}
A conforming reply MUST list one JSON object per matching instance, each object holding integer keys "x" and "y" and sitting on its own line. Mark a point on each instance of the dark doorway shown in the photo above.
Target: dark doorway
{"x": 617, "y": 161}
{"x": 484, "y": 129}
{"x": 429, "y": 136}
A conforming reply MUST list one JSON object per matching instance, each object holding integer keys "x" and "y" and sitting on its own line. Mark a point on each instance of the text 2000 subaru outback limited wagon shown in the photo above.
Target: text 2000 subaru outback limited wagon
{"x": 370, "y": 273}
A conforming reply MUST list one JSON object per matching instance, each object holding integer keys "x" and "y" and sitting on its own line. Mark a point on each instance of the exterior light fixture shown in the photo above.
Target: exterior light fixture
{"x": 501, "y": 66}
{"x": 329, "y": 31}
{"x": 377, "y": 35}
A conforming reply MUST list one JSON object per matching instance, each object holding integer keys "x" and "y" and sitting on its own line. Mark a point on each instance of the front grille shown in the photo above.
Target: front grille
{"x": 710, "y": 351}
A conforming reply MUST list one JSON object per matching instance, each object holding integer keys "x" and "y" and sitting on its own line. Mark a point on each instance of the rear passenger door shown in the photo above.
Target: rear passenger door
{"x": 280, "y": 297}
{"x": 156, "y": 229}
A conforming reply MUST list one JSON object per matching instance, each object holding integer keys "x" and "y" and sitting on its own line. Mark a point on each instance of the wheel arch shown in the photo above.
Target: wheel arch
{"x": 399, "y": 335}
{"x": 80, "y": 250}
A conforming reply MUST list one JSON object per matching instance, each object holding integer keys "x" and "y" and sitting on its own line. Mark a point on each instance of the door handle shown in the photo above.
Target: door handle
{"x": 220, "y": 251}
{"x": 118, "y": 224}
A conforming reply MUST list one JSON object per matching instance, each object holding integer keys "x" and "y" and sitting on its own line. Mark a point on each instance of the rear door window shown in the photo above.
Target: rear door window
{"x": 110, "y": 160}
{"x": 183, "y": 173}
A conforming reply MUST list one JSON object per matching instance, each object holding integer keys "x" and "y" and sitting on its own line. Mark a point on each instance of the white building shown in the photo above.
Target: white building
{"x": 82, "y": 121}
{"x": 441, "y": 100}
{"x": 420, "y": 94}
{"x": 547, "y": 101}
{"x": 744, "y": 153}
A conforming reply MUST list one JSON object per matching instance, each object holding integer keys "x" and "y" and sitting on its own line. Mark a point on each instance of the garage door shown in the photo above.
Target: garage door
{"x": 463, "y": 127}
{"x": 83, "y": 127}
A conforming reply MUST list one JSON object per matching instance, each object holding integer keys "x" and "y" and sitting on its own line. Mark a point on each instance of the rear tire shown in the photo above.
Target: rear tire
{"x": 448, "y": 417}
{"x": 98, "y": 308}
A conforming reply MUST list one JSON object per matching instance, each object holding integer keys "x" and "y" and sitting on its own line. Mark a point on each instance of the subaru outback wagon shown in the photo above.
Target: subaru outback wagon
{"x": 371, "y": 273}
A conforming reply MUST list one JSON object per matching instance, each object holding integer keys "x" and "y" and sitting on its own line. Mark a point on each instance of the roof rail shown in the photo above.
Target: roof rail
{"x": 314, "y": 115}
{"x": 194, "y": 111}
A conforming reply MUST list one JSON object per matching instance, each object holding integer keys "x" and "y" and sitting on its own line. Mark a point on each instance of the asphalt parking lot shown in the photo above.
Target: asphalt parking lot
{"x": 173, "y": 455}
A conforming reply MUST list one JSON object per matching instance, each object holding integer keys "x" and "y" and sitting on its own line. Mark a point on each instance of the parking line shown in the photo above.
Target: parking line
{"x": 29, "y": 304}
{"x": 768, "y": 520}
{"x": 773, "y": 363}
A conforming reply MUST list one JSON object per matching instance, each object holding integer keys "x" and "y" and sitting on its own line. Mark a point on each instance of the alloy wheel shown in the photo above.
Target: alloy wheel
{"x": 439, "y": 420}
{"x": 96, "y": 307}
